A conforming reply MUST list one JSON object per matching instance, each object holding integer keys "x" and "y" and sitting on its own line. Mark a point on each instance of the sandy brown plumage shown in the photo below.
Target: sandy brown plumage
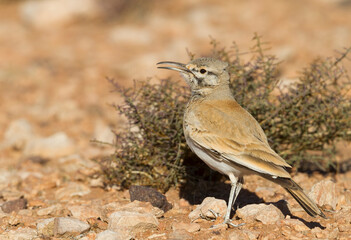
{"x": 226, "y": 137}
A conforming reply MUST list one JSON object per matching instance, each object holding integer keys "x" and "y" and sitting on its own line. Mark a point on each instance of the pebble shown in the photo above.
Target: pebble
{"x": 14, "y": 205}
{"x": 103, "y": 132}
{"x": 253, "y": 235}
{"x": 344, "y": 227}
{"x": 60, "y": 226}
{"x": 218, "y": 206}
{"x": 316, "y": 230}
{"x": 296, "y": 224}
{"x": 19, "y": 234}
{"x": 148, "y": 194}
{"x": 344, "y": 199}
{"x": 87, "y": 236}
{"x": 69, "y": 225}
{"x": 75, "y": 163}
{"x": 135, "y": 206}
{"x": 189, "y": 227}
{"x": 9, "y": 178}
{"x": 97, "y": 182}
{"x": 324, "y": 193}
{"x": 14, "y": 219}
{"x": 180, "y": 234}
{"x": 97, "y": 223}
{"x": 237, "y": 235}
{"x": 265, "y": 191}
{"x": 267, "y": 214}
{"x": 132, "y": 222}
{"x": 157, "y": 236}
{"x": 268, "y": 236}
{"x": 83, "y": 212}
{"x": 2, "y": 214}
{"x": 25, "y": 212}
{"x": 109, "y": 235}
{"x": 18, "y": 133}
{"x": 71, "y": 190}
{"x": 71, "y": 163}
{"x": 49, "y": 210}
{"x": 46, "y": 227}
{"x": 24, "y": 217}
{"x": 56, "y": 145}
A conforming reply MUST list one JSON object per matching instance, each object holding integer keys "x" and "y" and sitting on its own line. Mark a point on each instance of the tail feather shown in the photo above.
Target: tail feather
{"x": 306, "y": 203}
{"x": 296, "y": 191}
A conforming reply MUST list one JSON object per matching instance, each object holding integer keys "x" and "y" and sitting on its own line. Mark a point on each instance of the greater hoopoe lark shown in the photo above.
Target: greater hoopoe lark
{"x": 226, "y": 137}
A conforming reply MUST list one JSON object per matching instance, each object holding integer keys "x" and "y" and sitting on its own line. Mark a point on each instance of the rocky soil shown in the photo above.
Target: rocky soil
{"x": 54, "y": 57}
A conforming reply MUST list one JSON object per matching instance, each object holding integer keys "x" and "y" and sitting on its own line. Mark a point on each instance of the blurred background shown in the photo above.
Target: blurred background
{"x": 55, "y": 55}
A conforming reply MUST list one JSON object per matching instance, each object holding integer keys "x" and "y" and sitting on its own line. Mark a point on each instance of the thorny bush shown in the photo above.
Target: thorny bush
{"x": 302, "y": 121}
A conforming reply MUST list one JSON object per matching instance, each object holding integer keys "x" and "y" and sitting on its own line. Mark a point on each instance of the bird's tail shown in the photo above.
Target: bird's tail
{"x": 306, "y": 203}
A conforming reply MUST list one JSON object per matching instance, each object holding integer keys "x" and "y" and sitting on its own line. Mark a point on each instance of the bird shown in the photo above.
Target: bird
{"x": 226, "y": 136}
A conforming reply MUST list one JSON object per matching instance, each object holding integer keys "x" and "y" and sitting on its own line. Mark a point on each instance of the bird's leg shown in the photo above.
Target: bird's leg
{"x": 236, "y": 184}
{"x": 234, "y": 192}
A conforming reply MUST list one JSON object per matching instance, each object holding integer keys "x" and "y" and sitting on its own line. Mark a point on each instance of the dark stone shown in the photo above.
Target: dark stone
{"x": 148, "y": 194}
{"x": 14, "y": 205}
{"x": 38, "y": 159}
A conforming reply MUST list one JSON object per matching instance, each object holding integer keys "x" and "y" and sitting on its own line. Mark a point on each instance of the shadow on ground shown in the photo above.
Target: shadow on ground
{"x": 202, "y": 182}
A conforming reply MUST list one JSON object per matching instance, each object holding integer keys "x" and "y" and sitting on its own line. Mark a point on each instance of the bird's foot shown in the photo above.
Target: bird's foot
{"x": 225, "y": 223}
{"x": 215, "y": 214}
{"x": 209, "y": 218}
{"x": 229, "y": 223}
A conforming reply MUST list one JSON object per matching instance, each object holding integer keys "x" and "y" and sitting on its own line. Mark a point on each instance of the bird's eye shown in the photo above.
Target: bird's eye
{"x": 203, "y": 71}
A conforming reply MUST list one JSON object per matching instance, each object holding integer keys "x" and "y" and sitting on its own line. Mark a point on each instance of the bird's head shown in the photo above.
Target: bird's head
{"x": 202, "y": 74}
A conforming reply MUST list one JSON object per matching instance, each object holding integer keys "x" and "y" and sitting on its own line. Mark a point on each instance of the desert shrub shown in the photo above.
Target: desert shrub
{"x": 151, "y": 150}
{"x": 302, "y": 121}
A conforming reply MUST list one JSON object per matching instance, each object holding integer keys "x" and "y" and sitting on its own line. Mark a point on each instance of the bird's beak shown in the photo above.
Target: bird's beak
{"x": 180, "y": 67}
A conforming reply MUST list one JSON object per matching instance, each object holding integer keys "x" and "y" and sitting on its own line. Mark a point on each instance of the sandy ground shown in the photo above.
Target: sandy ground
{"x": 53, "y": 73}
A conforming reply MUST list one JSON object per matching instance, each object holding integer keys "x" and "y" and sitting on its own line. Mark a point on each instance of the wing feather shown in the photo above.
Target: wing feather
{"x": 229, "y": 131}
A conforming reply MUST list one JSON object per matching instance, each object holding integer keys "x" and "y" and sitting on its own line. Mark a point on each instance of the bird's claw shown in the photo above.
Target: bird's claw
{"x": 229, "y": 223}
{"x": 215, "y": 214}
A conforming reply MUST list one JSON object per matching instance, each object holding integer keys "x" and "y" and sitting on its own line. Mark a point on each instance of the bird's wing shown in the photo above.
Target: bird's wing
{"x": 223, "y": 127}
